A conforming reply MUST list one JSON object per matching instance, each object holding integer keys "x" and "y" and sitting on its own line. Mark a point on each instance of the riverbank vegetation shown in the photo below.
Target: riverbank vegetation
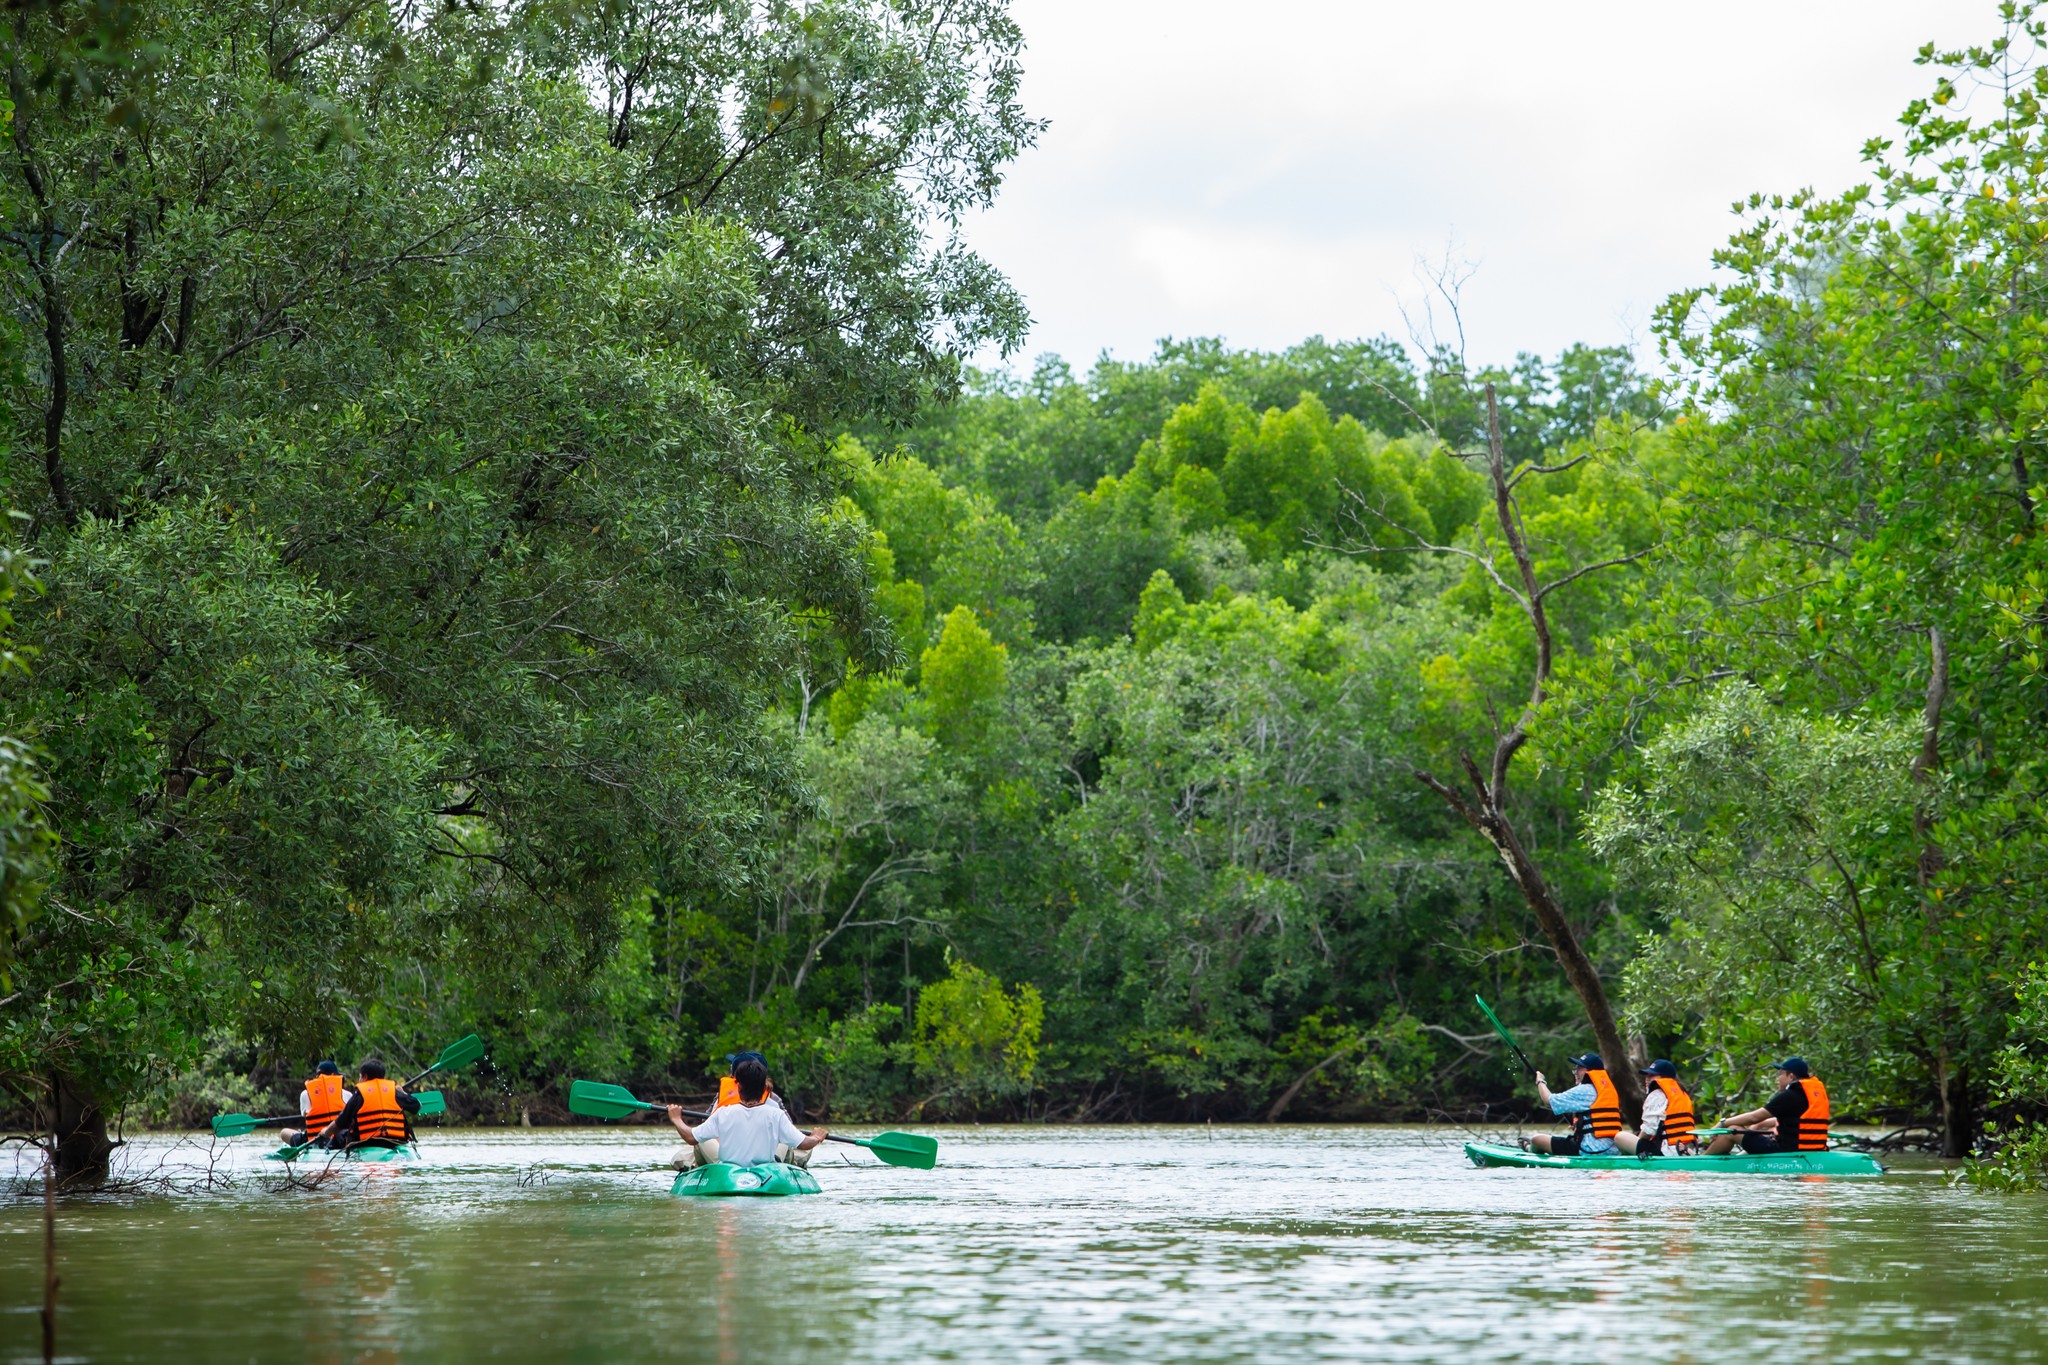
{"x": 520, "y": 551}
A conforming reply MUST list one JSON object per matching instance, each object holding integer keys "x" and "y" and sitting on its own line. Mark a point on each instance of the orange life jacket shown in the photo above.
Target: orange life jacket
{"x": 379, "y": 1119}
{"x": 1679, "y": 1120}
{"x": 1813, "y": 1124}
{"x": 1604, "y": 1120}
{"x": 324, "y": 1098}
{"x": 729, "y": 1092}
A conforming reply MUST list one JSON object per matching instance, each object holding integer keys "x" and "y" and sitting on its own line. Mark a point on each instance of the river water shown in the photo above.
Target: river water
{"x": 1024, "y": 1245}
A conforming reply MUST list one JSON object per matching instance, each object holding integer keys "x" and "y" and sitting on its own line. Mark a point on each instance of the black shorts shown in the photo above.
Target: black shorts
{"x": 1764, "y": 1144}
{"x": 1568, "y": 1145}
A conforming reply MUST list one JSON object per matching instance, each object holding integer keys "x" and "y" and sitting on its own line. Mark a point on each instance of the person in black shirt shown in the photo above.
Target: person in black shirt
{"x": 1776, "y": 1127}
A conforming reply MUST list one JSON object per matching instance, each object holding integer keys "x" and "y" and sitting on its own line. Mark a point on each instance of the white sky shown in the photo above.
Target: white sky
{"x": 1266, "y": 171}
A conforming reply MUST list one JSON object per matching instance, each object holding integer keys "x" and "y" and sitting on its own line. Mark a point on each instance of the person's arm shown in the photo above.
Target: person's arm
{"x": 683, "y": 1130}
{"x": 410, "y": 1103}
{"x": 788, "y": 1133}
{"x": 1577, "y": 1100}
{"x": 305, "y": 1102}
{"x": 1778, "y": 1111}
{"x": 1542, "y": 1089}
{"x": 347, "y": 1115}
{"x": 1654, "y": 1107}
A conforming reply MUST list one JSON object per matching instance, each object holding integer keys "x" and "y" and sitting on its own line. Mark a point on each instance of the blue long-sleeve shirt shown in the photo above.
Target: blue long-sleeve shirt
{"x": 1579, "y": 1100}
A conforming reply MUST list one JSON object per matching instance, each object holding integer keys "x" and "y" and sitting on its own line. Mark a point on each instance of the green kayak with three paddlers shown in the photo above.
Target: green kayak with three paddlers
{"x": 1733, "y": 1163}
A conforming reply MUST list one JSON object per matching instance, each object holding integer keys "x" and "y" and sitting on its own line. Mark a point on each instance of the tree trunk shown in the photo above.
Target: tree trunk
{"x": 84, "y": 1151}
{"x": 1486, "y": 810}
{"x": 1958, "y": 1118}
{"x": 1493, "y": 825}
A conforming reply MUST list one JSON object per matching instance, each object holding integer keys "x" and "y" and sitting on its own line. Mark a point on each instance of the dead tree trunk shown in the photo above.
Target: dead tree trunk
{"x": 79, "y": 1128}
{"x": 1482, "y": 802}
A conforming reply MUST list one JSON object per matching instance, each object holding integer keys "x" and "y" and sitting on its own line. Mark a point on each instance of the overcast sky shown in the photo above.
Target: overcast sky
{"x": 1265, "y": 171}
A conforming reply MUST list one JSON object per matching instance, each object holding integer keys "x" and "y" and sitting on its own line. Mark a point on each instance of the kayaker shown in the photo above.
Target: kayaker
{"x": 1668, "y": 1126}
{"x": 1793, "y": 1120}
{"x": 320, "y": 1103}
{"x": 747, "y": 1133}
{"x": 378, "y": 1114}
{"x": 729, "y": 1086}
{"x": 1592, "y": 1104}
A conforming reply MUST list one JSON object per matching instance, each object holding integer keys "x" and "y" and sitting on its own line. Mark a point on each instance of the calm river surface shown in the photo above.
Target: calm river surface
{"x": 1032, "y": 1244}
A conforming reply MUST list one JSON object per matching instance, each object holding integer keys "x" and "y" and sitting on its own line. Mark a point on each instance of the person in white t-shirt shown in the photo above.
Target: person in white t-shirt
{"x": 748, "y": 1133}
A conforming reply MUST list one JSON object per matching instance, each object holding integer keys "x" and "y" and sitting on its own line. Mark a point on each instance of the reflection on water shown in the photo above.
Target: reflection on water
{"x": 1037, "y": 1244}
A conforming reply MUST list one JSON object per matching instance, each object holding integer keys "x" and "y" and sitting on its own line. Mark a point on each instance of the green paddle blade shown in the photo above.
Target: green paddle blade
{"x": 904, "y": 1149}
{"x": 431, "y": 1102}
{"x": 595, "y": 1099}
{"x": 233, "y": 1125}
{"x": 459, "y": 1054}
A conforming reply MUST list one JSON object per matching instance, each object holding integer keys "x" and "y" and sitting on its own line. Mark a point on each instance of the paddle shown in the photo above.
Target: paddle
{"x": 594, "y": 1099}
{"x": 453, "y": 1057}
{"x": 1506, "y": 1037}
{"x": 234, "y": 1125}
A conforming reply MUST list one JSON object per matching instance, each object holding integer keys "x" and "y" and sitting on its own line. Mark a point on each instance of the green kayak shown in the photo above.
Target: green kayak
{"x": 724, "y": 1178}
{"x": 1734, "y": 1163}
{"x": 378, "y": 1154}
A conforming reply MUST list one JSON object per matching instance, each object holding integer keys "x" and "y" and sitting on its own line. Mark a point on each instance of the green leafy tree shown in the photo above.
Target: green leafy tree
{"x": 964, "y": 678}
{"x": 26, "y": 840}
{"x": 1855, "y": 514}
{"x": 424, "y": 456}
{"x": 1782, "y": 846}
{"x": 972, "y": 1037}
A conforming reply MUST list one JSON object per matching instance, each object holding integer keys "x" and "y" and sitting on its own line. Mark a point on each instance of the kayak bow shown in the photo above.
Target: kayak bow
{"x": 724, "y": 1178}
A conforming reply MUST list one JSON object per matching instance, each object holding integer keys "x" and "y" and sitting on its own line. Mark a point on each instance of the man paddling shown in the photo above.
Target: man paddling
{"x": 754, "y": 1130}
{"x": 1668, "y": 1124}
{"x": 320, "y": 1103}
{"x": 1793, "y": 1120}
{"x": 1592, "y": 1104}
{"x": 378, "y": 1114}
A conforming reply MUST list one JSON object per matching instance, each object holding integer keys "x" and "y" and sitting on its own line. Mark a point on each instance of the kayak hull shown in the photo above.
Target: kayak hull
{"x": 722, "y": 1179}
{"x": 371, "y": 1154}
{"x": 1734, "y": 1163}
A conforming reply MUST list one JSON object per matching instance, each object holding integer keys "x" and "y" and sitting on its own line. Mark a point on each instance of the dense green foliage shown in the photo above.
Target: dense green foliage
{"x": 1858, "y": 532}
{"x": 424, "y": 457}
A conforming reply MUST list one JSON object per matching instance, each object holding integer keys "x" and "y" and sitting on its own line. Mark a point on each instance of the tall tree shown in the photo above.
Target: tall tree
{"x": 1484, "y": 800}
{"x": 1858, "y": 529}
{"x": 422, "y": 459}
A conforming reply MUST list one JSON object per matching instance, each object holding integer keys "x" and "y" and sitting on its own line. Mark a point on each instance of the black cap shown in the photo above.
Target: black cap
{"x": 327, "y": 1069}
{"x": 1590, "y": 1061}
{"x": 1797, "y": 1066}
{"x": 737, "y": 1057}
{"x": 1660, "y": 1067}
